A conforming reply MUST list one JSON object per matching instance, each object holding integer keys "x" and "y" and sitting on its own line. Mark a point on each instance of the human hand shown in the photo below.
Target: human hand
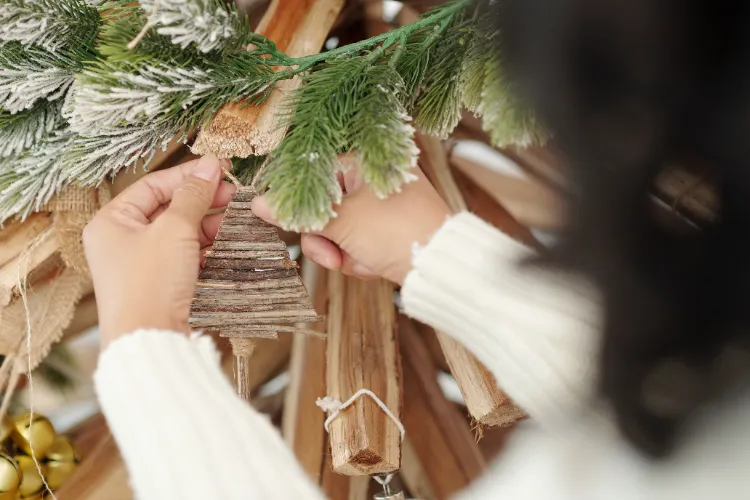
{"x": 371, "y": 237}
{"x": 144, "y": 247}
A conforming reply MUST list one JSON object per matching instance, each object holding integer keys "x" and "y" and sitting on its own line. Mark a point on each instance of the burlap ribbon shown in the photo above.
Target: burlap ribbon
{"x": 36, "y": 319}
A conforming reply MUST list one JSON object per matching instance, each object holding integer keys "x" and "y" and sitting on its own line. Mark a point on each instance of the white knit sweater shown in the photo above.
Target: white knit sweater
{"x": 185, "y": 435}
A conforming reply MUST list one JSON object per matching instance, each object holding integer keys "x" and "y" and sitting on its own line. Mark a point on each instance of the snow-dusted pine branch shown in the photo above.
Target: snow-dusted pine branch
{"x": 382, "y": 135}
{"x": 90, "y": 160}
{"x": 28, "y": 181}
{"x": 163, "y": 93}
{"x": 21, "y": 131}
{"x": 52, "y": 24}
{"x": 209, "y": 25}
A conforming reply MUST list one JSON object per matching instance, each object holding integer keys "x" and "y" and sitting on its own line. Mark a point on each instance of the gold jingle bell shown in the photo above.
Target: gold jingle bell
{"x": 58, "y": 472}
{"x": 39, "y": 434}
{"x": 61, "y": 450}
{"x": 32, "y": 483}
{"x": 10, "y": 477}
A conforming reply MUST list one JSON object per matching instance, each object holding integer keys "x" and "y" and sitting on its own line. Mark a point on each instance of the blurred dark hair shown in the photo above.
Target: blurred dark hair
{"x": 629, "y": 88}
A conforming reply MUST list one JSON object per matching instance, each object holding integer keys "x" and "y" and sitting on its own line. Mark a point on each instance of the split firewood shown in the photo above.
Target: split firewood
{"x": 363, "y": 354}
{"x": 298, "y": 28}
{"x": 481, "y": 204}
{"x": 339, "y": 487}
{"x": 531, "y": 202}
{"x": 15, "y": 236}
{"x": 438, "y": 434}
{"x": 484, "y": 400}
{"x": 302, "y": 422}
{"x": 29, "y": 260}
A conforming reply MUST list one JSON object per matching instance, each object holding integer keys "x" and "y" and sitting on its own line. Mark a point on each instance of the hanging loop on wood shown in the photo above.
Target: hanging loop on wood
{"x": 334, "y": 407}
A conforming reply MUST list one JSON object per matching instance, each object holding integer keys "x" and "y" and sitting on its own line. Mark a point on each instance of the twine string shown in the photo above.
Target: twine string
{"x": 334, "y": 407}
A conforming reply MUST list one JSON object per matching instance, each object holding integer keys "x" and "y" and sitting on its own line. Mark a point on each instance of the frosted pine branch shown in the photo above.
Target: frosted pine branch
{"x": 21, "y": 88}
{"x": 208, "y": 24}
{"x": 90, "y": 160}
{"x": 21, "y": 131}
{"x": 381, "y": 133}
{"x": 52, "y": 24}
{"x": 163, "y": 93}
{"x": 28, "y": 181}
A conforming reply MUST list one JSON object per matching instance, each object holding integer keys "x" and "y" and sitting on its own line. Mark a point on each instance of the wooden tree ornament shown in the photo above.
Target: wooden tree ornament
{"x": 249, "y": 287}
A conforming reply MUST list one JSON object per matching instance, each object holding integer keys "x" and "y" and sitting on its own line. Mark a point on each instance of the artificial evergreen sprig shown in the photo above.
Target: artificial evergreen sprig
{"x": 51, "y": 24}
{"x": 208, "y": 25}
{"x": 161, "y": 68}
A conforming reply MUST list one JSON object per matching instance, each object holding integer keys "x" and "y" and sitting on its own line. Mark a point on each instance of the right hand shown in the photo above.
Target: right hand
{"x": 372, "y": 237}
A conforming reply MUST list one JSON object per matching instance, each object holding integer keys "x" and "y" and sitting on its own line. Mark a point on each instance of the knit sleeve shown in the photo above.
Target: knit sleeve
{"x": 182, "y": 431}
{"x": 534, "y": 329}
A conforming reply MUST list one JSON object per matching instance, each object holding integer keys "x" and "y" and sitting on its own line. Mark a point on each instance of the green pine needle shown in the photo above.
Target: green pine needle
{"x": 381, "y": 134}
{"x": 301, "y": 175}
{"x": 21, "y": 131}
{"x": 51, "y": 24}
{"x": 474, "y": 67}
{"x": 439, "y": 104}
{"x": 508, "y": 121}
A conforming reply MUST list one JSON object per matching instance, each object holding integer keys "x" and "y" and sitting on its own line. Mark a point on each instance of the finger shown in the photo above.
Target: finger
{"x": 322, "y": 251}
{"x": 192, "y": 198}
{"x": 209, "y": 227}
{"x": 142, "y": 199}
{"x": 261, "y": 208}
{"x": 351, "y": 267}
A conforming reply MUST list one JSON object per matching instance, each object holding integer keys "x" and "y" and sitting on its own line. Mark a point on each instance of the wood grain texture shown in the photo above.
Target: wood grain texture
{"x": 439, "y": 435}
{"x": 531, "y": 202}
{"x": 299, "y": 28}
{"x": 101, "y": 475}
{"x": 302, "y": 421}
{"x": 363, "y": 354}
{"x": 249, "y": 291}
{"x": 484, "y": 400}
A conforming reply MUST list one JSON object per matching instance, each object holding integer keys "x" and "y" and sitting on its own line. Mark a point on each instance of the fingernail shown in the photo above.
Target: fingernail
{"x": 322, "y": 260}
{"x": 207, "y": 168}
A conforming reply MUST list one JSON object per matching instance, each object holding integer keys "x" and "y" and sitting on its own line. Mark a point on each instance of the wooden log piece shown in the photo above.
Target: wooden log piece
{"x": 484, "y": 400}
{"x": 298, "y": 28}
{"x": 363, "y": 354}
{"x": 439, "y": 436}
{"x": 302, "y": 422}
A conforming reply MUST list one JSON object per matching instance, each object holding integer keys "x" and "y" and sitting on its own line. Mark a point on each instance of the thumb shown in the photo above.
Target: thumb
{"x": 193, "y": 198}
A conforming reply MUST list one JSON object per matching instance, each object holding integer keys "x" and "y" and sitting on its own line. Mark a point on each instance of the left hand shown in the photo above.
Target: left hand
{"x": 144, "y": 248}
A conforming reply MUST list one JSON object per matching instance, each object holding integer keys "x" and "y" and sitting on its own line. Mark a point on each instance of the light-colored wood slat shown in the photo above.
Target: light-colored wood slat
{"x": 531, "y": 202}
{"x": 363, "y": 354}
{"x": 302, "y": 421}
{"x": 338, "y": 487}
{"x": 298, "y": 28}
{"x": 439, "y": 435}
{"x": 484, "y": 400}
{"x": 270, "y": 357}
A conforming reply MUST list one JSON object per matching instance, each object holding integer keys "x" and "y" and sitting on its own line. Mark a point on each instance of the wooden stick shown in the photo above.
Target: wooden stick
{"x": 299, "y": 28}
{"x": 363, "y": 354}
{"x": 270, "y": 358}
{"x": 46, "y": 250}
{"x": 338, "y": 487}
{"x": 243, "y": 351}
{"x": 481, "y": 204}
{"x": 484, "y": 400}
{"x": 531, "y": 203}
{"x": 302, "y": 422}
{"x": 15, "y": 236}
{"x": 439, "y": 435}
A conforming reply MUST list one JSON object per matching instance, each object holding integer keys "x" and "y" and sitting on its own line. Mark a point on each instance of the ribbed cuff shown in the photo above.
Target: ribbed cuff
{"x": 535, "y": 330}
{"x": 182, "y": 431}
